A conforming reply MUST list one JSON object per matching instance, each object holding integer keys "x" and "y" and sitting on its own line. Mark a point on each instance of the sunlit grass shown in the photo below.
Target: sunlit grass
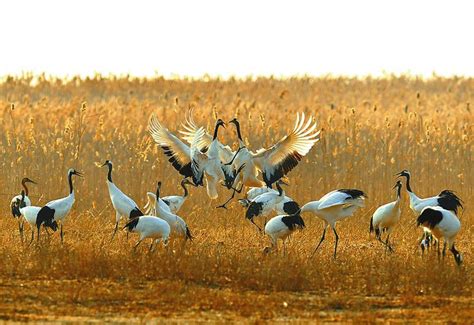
{"x": 371, "y": 129}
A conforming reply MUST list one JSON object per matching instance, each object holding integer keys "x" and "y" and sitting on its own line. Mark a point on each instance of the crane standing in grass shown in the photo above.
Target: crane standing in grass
{"x": 386, "y": 217}
{"x": 442, "y": 223}
{"x": 333, "y": 207}
{"x": 15, "y": 204}
{"x": 123, "y": 205}
{"x": 30, "y": 213}
{"x": 447, "y": 199}
{"x": 280, "y": 227}
{"x": 57, "y": 210}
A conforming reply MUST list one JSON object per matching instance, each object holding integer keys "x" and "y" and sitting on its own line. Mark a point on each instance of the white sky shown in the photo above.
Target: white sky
{"x": 283, "y": 38}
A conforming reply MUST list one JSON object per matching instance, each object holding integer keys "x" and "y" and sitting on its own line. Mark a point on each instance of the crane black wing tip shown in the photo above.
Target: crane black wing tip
{"x": 131, "y": 224}
{"x": 282, "y": 168}
{"x": 294, "y": 221}
{"x": 429, "y": 217}
{"x": 450, "y": 201}
{"x": 353, "y": 193}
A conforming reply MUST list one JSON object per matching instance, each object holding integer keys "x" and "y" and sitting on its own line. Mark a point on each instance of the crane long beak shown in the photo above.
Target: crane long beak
{"x": 79, "y": 174}
{"x": 33, "y": 182}
{"x": 394, "y": 187}
{"x": 104, "y": 164}
{"x": 398, "y": 174}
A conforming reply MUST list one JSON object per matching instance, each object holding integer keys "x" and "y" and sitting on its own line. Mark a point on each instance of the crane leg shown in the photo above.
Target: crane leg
{"x": 136, "y": 245}
{"x": 444, "y": 249}
{"x": 32, "y": 236}
{"x": 151, "y": 246}
{"x": 233, "y": 158}
{"x": 387, "y": 243}
{"x": 223, "y": 206}
{"x": 260, "y": 229}
{"x": 20, "y": 228}
{"x": 337, "y": 239}
{"x": 322, "y": 238}
{"x": 115, "y": 230}
{"x": 38, "y": 236}
{"x": 61, "y": 232}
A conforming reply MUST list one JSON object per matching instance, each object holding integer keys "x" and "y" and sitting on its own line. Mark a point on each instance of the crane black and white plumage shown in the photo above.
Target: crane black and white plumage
{"x": 178, "y": 226}
{"x": 280, "y": 227}
{"x": 15, "y": 204}
{"x": 149, "y": 227}
{"x": 174, "y": 202}
{"x": 124, "y": 206}
{"x": 333, "y": 207}
{"x": 57, "y": 210}
{"x": 286, "y": 206}
{"x": 447, "y": 199}
{"x": 386, "y": 217}
{"x": 30, "y": 213}
{"x": 444, "y": 224}
{"x": 265, "y": 203}
{"x": 278, "y": 160}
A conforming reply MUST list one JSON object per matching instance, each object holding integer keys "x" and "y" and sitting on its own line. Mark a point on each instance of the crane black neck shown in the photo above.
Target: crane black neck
{"x": 22, "y": 201}
{"x": 183, "y": 185}
{"x": 216, "y": 131}
{"x": 399, "y": 190}
{"x": 239, "y": 135}
{"x": 25, "y": 187}
{"x": 109, "y": 174}
{"x": 280, "y": 190}
{"x": 157, "y": 193}
{"x": 71, "y": 188}
{"x": 408, "y": 183}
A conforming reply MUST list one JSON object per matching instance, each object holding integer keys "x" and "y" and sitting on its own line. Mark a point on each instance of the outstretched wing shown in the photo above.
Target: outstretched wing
{"x": 280, "y": 159}
{"x": 189, "y": 131}
{"x": 179, "y": 153}
{"x": 198, "y": 159}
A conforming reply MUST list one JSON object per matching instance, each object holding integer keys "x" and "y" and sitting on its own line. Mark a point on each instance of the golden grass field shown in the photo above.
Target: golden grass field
{"x": 371, "y": 129}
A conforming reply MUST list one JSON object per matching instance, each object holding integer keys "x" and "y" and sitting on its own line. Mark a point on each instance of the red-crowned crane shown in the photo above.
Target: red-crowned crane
{"x": 57, "y": 210}
{"x": 444, "y": 224}
{"x": 15, "y": 203}
{"x": 124, "y": 206}
{"x": 386, "y": 217}
{"x": 333, "y": 207}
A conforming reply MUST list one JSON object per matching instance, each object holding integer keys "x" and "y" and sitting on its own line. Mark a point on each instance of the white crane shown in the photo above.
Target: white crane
{"x": 123, "y": 205}
{"x": 178, "y": 226}
{"x": 30, "y": 213}
{"x": 173, "y": 202}
{"x": 57, "y": 210}
{"x": 280, "y": 227}
{"x": 333, "y": 207}
{"x": 443, "y": 223}
{"x": 386, "y": 217}
{"x": 15, "y": 203}
{"x": 149, "y": 227}
{"x": 447, "y": 199}
{"x": 265, "y": 203}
